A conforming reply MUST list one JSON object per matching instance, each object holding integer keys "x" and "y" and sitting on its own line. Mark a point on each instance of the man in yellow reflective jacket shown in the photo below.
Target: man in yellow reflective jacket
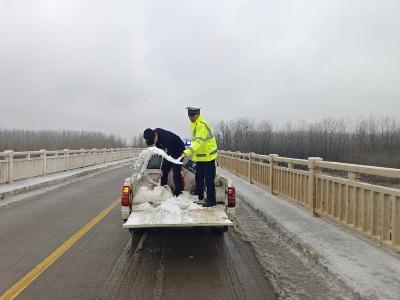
{"x": 204, "y": 152}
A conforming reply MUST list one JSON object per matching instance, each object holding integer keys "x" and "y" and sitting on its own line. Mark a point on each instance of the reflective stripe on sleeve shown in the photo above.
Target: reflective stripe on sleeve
{"x": 210, "y": 134}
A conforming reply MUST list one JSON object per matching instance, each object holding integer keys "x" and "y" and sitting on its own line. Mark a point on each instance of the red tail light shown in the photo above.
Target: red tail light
{"x": 231, "y": 197}
{"x": 126, "y": 191}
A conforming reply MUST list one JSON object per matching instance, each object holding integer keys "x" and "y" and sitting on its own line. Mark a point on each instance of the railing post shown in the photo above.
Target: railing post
{"x": 111, "y": 154}
{"x": 94, "y": 156}
{"x": 273, "y": 163}
{"x": 10, "y": 159}
{"x": 105, "y": 154}
{"x": 66, "y": 153}
{"x": 237, "y": 162}
{"x": 395, "y": 221}
{"x": 250, "y": 167}
{"x": 312, "y": 171}
{"x": 352, "y": 194}
{"x": 353, "y": 176}
{"x": 83, "y": 157}
{"x": 231, "y": 161}
{"x": 43, "y": 156}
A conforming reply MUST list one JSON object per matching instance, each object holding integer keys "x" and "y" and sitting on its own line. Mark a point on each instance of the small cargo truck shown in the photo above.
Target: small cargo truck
{"x": 219, "y": 217}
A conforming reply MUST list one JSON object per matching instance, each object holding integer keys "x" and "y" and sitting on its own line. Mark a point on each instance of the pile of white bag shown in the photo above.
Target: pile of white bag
{"x": 162, "y": 198}
{"x": 158, "y": 197}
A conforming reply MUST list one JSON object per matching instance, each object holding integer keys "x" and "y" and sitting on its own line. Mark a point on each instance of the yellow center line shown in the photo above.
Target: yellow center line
{"x": 25, "y": 281}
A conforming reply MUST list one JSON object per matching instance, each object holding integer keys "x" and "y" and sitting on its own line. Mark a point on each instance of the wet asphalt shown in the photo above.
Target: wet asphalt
{"x": 110, "y": 263}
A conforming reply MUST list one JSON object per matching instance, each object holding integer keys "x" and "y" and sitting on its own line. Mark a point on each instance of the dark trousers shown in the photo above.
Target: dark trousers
{"x": 178, "y": 179}
{"x": 205, "y": 173}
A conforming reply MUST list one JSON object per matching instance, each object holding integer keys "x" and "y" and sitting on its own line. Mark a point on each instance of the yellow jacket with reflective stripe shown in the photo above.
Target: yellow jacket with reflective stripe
{"x": 204, "y": 144}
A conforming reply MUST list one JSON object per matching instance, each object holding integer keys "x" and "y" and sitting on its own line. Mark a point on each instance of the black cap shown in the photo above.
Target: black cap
{"x": 193, "y": 110}
{"x": 148, "y": 135}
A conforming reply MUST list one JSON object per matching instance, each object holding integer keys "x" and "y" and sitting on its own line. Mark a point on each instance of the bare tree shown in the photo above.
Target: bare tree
{"x": 138, "y": 141}
{"x": 367, "y": 140}
{"x": 26, "y": 140}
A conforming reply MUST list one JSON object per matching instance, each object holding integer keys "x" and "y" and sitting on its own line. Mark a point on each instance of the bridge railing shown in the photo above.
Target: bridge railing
{"x": 21, "y": 165}
{"x": 365, "y": 199}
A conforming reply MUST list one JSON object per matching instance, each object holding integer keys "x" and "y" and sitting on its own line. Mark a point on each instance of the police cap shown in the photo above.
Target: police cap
{"x": 193, "y": 110}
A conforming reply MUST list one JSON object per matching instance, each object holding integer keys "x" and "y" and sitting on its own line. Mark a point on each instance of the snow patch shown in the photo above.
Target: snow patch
{"x": 368, "y": 270}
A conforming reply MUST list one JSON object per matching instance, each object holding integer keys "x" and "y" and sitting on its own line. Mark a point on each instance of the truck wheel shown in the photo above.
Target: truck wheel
{"x": 136, "y": 231}
{"x": 220, "y": 230}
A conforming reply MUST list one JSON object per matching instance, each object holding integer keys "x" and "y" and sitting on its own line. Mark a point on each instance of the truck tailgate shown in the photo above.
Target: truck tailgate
{"x": 212, "y": 216}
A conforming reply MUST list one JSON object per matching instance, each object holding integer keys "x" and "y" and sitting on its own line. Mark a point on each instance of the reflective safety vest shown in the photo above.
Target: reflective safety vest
{"x": 204, "y": 144}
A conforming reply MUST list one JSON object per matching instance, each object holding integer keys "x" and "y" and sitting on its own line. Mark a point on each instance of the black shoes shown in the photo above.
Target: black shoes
{"x": 208, "y": 204}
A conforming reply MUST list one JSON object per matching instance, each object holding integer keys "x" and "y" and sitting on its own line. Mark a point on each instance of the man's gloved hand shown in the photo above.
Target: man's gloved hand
{"x": 187, "y": 153}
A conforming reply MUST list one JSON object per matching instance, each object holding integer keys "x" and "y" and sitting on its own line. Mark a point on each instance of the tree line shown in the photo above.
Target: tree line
{"x": 138, "y": 141}
{"x": 366, "y": 140}
{"x": 32, "y": 140}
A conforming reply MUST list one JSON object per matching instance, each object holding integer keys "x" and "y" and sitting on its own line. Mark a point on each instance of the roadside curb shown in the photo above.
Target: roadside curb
{"x": 308, "y": 253}
{"x": 50, "y": 182}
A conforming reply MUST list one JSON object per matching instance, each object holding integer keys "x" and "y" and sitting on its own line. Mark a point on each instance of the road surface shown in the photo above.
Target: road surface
{"x": 105, "y": 262}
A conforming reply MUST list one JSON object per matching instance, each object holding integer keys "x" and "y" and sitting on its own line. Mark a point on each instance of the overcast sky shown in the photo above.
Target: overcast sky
{"x": 122, "y": 66}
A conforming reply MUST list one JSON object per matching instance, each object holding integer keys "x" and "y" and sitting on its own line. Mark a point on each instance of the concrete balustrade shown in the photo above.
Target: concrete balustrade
{"x": 21, "y": 165}
{"x": 328, "y": 189}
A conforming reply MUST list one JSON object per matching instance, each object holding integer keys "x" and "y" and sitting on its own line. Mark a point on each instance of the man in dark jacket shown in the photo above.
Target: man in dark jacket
{"x": 174, "y": 146}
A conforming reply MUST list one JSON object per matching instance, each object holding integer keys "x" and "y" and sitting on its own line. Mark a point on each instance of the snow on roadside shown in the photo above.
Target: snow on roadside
{"x": 361, "y": 268}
